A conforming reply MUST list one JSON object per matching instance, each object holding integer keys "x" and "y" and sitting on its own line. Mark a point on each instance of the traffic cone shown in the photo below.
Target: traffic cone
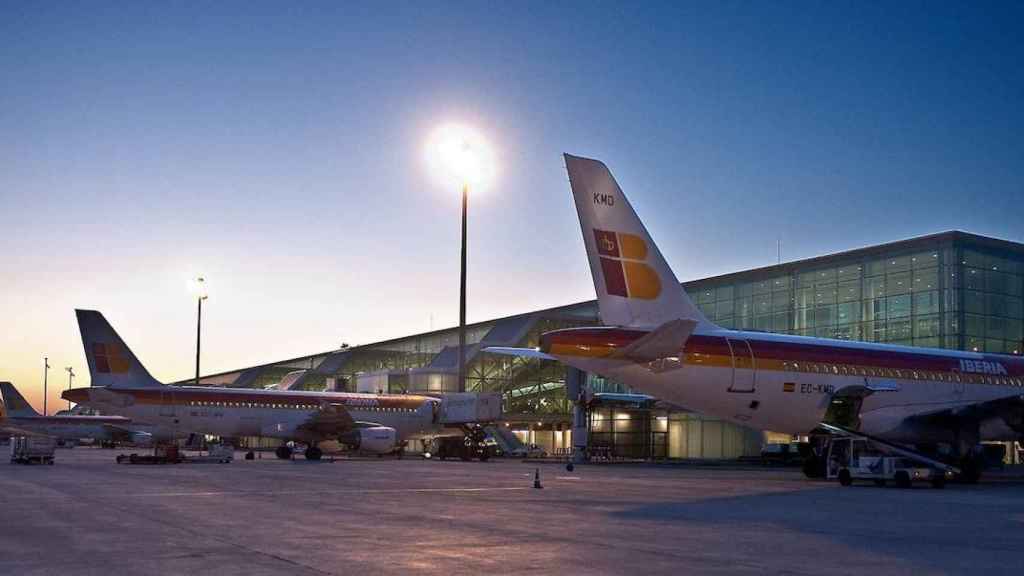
{"x": 536, "y": 479}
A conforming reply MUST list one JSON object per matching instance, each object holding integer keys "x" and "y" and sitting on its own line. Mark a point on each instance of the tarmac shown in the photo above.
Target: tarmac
{"x": 88, "y": 515}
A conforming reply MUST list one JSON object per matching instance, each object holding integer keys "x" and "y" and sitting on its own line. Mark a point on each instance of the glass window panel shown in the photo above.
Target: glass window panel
{"x": 925, "y": 259}
{"x": 827, "y": 276}
{"x": 848, "y": 332}
{"x": 824, "y": 316}
{"x": 763, "y": 322}
{"x": 974, "y": 325}
{"x": 723, "y": 309}
{"x": 974, "y": 302}
{"x": 874, "y": 331}
{"x": 824, "y": 332}
{"x": 926, "y": 302}
{"x": 952, "y": 300}
{"x": 875, "y": 309}
{"x": 898, "y": 306}
{"x": 849, "y": 272}
{"x": 781, "y": 322}
{"x": 1014, "y": 308}
{"x": 897, "y": 264}
{"x": 975, "y": 344}
{"x": 930, "y": 342}
{"x": 927, "y": 279}
{"x": 724, "y": 293}
{"x": 899, "y": 330}
{"x": 874, "y": 287}
{"x": 974, "y": 279}
{"x": 804, "y": 318}
{"x": 805, "y": 279}
{"x": 848, "y": 313}
{"x": 743, "y": 307}
{"x": 825, "y": 295}
{"x": 729, "y": 323}
{"x": 952, "y": 330}
{"x": 849, "y": 291}
{"x": 805, "y": 297}
{"x": 762, "y": 287}
{"x": 781, "y": 283}
{"x": 705, "y": 295}
{"x": 762, "y": 303}
{"x": 1014, "y": 329}
{"x": 875, "y": 268}
{"x": 898, "y": 283}
{"x": 995, "y": 346}
{"x": 974, "y": 258}
{"x": 995, "y": 327}
{"x": 926, "y": 326}
{"x": 745, "y": 289}
{"x": 708, "y": 309}
{"x": 781, "y": 301}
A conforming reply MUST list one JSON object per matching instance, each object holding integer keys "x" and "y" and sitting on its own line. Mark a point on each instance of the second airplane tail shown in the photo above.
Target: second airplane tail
{"x": 111, "y": 362}
{"x": 635, "y": 285}
{"x": 15, "y": 402}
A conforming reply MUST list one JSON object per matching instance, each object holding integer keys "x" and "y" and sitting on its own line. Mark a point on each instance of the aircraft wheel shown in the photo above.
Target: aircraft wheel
{"x": 903, "y": 479}
{"x": 314, "y": 453}
{"x": 844, "y": 477}
{"x": 283, "y": 452}
{"x": 485, "y": 454}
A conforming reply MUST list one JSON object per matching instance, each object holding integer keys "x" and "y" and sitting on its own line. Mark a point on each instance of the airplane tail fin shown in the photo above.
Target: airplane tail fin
{"x": 111, "y": 362}
{"x": 635, "y": 286}
{"x": 15, "y": 402}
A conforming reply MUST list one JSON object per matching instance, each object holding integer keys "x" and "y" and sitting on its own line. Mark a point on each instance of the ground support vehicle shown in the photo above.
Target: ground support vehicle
{"x": 473, "y": 444}
{"x": 851, "y": 459}
{"x": 32, "y": 449}
{"x": 168, "y": 454}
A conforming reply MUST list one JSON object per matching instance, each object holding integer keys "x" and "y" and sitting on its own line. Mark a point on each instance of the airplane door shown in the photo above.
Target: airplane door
{"x": 167, "y": 403}
{"x": 742, "y": 366}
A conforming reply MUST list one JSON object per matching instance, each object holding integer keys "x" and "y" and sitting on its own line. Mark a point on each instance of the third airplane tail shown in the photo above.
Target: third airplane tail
{"x": 15, "y": 402}
{"x": 635, "y": 286}
{"x": 111, "y": 362}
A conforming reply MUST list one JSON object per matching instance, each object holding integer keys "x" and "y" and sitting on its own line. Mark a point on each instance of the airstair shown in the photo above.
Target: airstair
{"x": 509, "y": 443}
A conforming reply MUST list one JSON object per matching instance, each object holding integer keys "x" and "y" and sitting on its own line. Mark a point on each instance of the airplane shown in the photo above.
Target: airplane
{"x": 374, "y": 423}
{"x": 19, "y": 418}
{"x": 656, "y": 341}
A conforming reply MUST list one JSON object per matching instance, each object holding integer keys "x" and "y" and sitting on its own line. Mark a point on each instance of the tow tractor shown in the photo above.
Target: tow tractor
{"x": 852, "y": 459}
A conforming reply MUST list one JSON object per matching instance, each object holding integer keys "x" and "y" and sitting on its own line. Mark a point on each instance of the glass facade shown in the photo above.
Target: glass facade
{"x": 951, "y": 290}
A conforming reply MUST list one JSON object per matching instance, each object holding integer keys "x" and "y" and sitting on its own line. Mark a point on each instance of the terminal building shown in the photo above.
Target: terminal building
{"x": 950, "y": 290}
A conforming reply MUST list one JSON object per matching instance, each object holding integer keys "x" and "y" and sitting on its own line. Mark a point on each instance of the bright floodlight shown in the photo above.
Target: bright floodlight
{"x": 460, "y": 155}
{"x": 197, "y": 286}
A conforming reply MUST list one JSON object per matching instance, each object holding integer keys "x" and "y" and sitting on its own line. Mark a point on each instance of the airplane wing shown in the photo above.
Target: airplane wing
{"x": 1009, "y": 408}
{"x": 124, "y": 433}
{"x": 332, "y": 420}
{"x": 522, "y": 352}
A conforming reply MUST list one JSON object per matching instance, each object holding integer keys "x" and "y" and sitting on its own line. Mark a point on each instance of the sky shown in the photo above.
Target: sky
{"x": 278, "y": 150}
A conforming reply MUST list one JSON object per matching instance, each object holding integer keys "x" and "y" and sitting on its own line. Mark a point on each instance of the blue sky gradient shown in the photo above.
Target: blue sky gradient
{"x": 278, "y": 150}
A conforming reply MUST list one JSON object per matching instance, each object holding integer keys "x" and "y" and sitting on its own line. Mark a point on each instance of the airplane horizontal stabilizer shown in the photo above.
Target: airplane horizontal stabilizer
{"x": 521, "y": 352}
{"x": 665, "y": 341}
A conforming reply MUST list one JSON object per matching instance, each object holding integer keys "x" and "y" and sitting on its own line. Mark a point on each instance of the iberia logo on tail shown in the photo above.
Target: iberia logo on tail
{"x": 109, "y": 358}
{"x": 623, "y": 258}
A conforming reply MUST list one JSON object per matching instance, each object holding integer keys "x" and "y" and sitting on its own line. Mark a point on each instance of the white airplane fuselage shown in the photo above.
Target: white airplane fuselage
{"x": 786, "y": 383}
{"x": 234, "y": 412}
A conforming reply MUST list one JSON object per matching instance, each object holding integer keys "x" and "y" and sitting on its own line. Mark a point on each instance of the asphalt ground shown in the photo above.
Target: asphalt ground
{"x": 87, "y": 515}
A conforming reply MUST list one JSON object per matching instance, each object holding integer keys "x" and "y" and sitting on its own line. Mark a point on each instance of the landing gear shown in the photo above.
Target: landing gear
{"x": 845, "y": 478}
{"x": 314, "y": 453}
{"x": 283, "y": 452}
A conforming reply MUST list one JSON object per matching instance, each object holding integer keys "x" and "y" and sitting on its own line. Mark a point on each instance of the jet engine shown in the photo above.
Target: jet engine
{"x": 376, "y": 439}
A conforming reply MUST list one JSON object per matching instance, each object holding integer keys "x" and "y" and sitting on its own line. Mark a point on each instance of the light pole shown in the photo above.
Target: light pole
{"x": 461, "y": 154}
{"x": 46, "y": 373}
{"x": 199, "y": 288}
{"x": 71, "y": 374}
{"x": 462, "y": 294}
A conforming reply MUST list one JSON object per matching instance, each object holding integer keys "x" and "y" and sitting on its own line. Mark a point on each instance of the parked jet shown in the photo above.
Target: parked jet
{"x": 658, "y": 342}
{"x": 376, "y": 423}
{"x": 21, "y": 418}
